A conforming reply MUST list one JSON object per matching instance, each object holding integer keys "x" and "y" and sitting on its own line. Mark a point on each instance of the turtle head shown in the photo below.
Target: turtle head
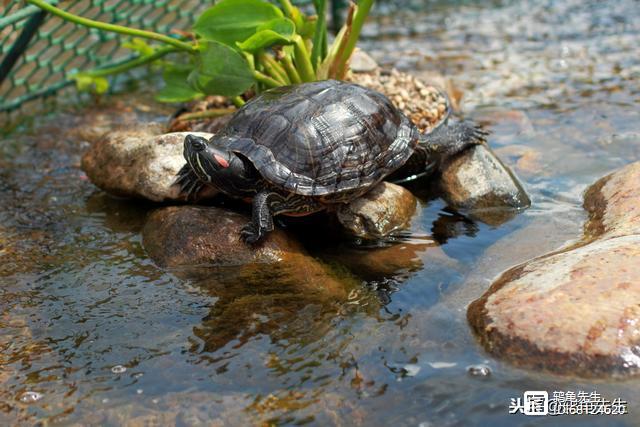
{"x": 213, "y": 163}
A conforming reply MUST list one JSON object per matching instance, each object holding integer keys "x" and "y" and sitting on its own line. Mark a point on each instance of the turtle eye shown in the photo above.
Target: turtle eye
{"x": 221, "y": 161}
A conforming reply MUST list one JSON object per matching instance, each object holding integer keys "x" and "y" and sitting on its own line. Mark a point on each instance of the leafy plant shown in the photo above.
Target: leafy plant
{"x": 235, "y": 47}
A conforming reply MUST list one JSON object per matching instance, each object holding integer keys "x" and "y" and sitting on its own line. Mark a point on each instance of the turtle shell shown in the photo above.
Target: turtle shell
{"x": 326, "y": 138}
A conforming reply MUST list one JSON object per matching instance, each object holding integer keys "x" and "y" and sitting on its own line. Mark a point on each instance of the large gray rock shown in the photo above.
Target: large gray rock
{"x": 382, "y": 211}
{"x": 575, "y": 311}
{"x": 480, "y": 183}
{"x": 138, "y": 164}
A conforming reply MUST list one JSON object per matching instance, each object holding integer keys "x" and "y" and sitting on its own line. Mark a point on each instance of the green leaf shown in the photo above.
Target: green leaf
{"x": 282, "y": 26}
{"x": 276, "y": 31}
{"x": 262, "y": 40}
{"x": 177, "y": 88}
{"x": 231, "y": 21}
{"x": 221, "y": 71}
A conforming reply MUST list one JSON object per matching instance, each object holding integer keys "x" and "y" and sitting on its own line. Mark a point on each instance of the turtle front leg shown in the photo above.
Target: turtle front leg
{"x": 262, "y": 216}
{"x": 267, "y": 204}
{"x": 188, "y": 182}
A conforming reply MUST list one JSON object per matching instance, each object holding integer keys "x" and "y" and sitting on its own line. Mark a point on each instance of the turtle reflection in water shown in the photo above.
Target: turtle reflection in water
{"x": 295, "y": 150}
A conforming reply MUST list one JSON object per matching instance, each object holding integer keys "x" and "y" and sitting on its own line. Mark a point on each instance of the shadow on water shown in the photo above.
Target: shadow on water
{"x": 107, "y": 338}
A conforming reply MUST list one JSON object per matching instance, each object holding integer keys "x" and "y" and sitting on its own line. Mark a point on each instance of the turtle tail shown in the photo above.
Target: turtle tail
{"x": 189, "y": 182}
{"x": 450, "y": 139}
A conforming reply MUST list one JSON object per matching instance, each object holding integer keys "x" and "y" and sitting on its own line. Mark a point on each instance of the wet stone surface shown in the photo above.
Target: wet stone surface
{"x": 139, "y": 163}
{"x": 193, "y": 235}
{"x": 385, "y": 209}
{"x": 478, "y": 182}
{"x": 575, "y": 311}
{"x": 614, "y": 204}
{"x": 184, "y": 237}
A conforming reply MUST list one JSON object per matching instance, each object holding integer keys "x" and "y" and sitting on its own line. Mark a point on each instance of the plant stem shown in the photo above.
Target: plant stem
{"x": 302, "y": 60}
{"x": 320, "y": 34}
{"x": 291, "y": 70}
{"x": 112, "y": 27}
{"x": 339, "y": 45}
{"x": 262, "y": 78}
{"x": 362, "y": 10}
{"x": 126, "y": 66}
{"x": 274, "y": 68}
{"x": 215, "y": 112}
{"x": 237, "y": 101}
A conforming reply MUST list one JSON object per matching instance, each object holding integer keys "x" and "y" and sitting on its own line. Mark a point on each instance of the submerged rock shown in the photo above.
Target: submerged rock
{"x": 138, "y": 164}
{"x": 479, "y": 182}
{"x": 575, "y": 311}
{"x": 378, "y": 213}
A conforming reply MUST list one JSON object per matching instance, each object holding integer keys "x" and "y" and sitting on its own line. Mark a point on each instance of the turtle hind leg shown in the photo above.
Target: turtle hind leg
{"x": 188, "y": 182}
{"x": 447, "y": 140}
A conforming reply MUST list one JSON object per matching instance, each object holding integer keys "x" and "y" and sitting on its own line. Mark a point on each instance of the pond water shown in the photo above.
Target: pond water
{"x": 93, "y": 333}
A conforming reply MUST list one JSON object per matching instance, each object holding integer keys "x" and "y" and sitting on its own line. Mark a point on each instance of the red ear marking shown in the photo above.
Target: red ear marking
{"x": 221, "y": 161}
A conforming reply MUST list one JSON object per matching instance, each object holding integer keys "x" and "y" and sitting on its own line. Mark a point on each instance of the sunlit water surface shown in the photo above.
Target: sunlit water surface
{"x": 101, "y": 336}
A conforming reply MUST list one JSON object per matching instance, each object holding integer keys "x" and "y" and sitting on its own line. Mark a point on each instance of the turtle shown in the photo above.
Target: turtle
{"x": 299, "y": 149}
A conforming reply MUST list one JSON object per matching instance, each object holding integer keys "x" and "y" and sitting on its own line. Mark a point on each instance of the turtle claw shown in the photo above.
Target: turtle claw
{"x": 479, "y": 134}
{"x": 189, "y": 183}
{"x": 250, "y": 234}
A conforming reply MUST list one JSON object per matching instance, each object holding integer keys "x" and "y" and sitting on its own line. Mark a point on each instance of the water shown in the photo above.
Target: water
{"x": 100, "y": 335}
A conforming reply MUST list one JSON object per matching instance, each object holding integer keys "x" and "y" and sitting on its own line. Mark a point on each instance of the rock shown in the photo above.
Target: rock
{"x": 479, "y": 182}
{"x": 361, "y": 62}
{"x": 192, "y": 235}
{"x": 575, "y": 311}
{"x": 138, "y": 164}
{"x": 613, "y": 203}
{"x": 195, "y": 236}
{"x": 380, "y": 212}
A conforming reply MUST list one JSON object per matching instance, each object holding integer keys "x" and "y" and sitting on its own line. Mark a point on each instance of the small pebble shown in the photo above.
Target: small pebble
{"x": 424, "y": 105}
{"x": 479, "y": 370}
{"x": 30, "y": 397}
{"x": 118, "y": 369}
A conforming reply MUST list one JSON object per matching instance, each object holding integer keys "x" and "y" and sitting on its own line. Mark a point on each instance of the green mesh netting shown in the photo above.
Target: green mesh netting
{"x": 59, "y": 48}
{"x": 39, "y": 51}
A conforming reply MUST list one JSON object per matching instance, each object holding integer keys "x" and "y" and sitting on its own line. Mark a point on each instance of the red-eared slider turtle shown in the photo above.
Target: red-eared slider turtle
{"x": 295, "y": 150}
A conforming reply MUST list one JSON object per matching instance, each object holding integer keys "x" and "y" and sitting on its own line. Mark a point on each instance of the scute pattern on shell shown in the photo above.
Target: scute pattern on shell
{"x": 322, "y": 139}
